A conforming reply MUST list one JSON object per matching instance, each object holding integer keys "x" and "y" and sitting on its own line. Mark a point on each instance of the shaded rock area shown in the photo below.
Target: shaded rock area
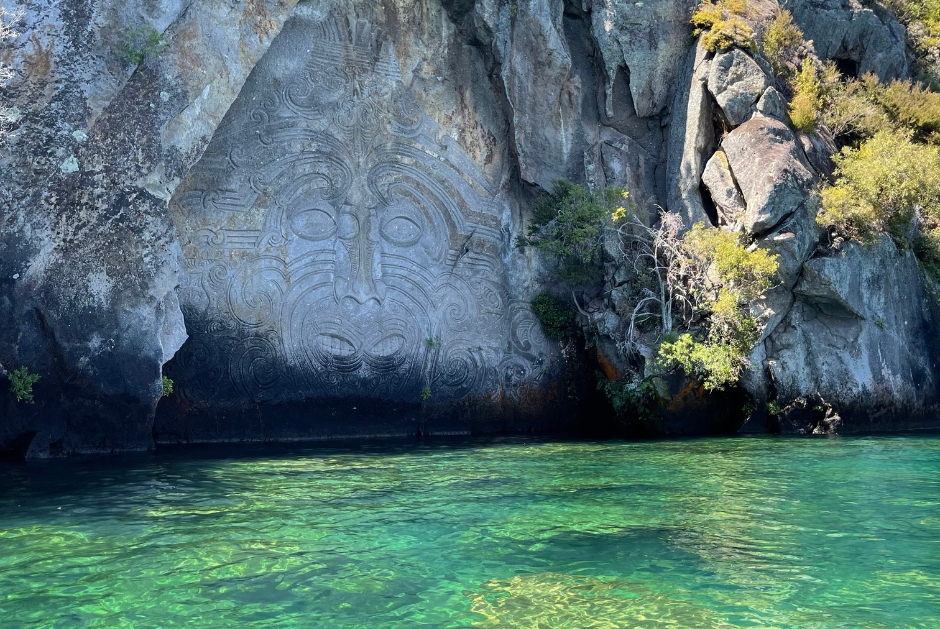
{"x": 88, "y": 254}
{"x": 305, "y": 212}
{"x": 862, "y": 37}
{"x": 771, "y": 170}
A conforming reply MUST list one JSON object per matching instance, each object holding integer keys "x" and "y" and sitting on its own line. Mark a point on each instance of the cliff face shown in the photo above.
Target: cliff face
{"x": 324, "y": 197}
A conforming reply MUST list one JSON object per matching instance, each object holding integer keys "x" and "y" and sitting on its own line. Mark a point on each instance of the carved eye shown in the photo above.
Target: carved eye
{"x": 313, "y": 224}
{"x": 402, "y": 231}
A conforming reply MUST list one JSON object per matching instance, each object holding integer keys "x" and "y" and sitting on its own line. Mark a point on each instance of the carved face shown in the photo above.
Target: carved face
{"x": 330, "y": 218}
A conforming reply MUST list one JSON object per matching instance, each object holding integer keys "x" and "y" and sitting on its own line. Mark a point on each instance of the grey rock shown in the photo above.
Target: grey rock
{"x": 860, "y": 337}
{"x": 691, "y": 137}
{"x": 543, "y": 92}
{"x": 723, "y": 189}
{"x": 770, "y": 169}
{"x": 793, "y": 242}
{"x": 342, "y": 249}
{"x": 627, "y": 164}
{"x": 89, "y": 166}
{"x": 819, "y": 148}
{"x": 736, "y": 82}
{"x": 773, "y": 105}
{"x": 869, "y": 37}
{"x": 647, "y": 39}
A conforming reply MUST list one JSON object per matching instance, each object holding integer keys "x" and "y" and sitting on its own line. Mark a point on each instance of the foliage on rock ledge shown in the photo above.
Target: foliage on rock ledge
{"x": 555, "y": 316}
{"x": 141, "y": 43}
{"x": 722, "y": 25}
{"x": 888, "y": 185}
{"x": 701, "y": 283}
{"x": 724, "y": 278}
{"x": 568, "y": 225}
{"x": 21, "y": 384}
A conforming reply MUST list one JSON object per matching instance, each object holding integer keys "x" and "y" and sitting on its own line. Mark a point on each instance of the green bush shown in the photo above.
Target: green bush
{"x": 167, "y": 386}
{"x": 722, "y": 25}
{"x": 852, "y": 111}
{"x": 781, "y": 41}
{"x": 913, "y": 107}
{"x": 888, "y": 185}
{"x": 633, "y": 399}
{"x": 555, "y": 316}
{"x": 730, "y": 277}
{"x": 569, "y": 226}
{"x": 807, "y": 97}
{"x": 21, "y": 384}
{"x": 141, "y": 43}
{"x": 880, "y": 185}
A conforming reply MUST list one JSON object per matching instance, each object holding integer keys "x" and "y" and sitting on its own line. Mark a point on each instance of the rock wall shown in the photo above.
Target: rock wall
{"x": 341, "y": 247}
{"x": 88, "y": 253}
{"x": 326, "y": 195}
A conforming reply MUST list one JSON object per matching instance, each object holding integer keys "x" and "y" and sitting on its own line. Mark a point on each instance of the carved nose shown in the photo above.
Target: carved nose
{"x": 359, "y": 235}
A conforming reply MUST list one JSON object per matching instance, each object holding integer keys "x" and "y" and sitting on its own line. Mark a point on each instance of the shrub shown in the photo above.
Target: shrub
{"x": 889, "y": 185}
{"x": 141, "y": 43}
{"x": 167, "y": 386}
{"x": 21, "y": 384}
{"x": 807, "y": 97}
{"x": 781, "y": 41}
{"x": 555, "y": 316}
{"x": 911, "y": 106}
{"x": 723, "y": 25}
{"x": 716, "y": 365}
{"x": 852, "y": 111}
{"x": 569, "y": 225}
{"x": 706, "y": 278}
{"x": 729, "y": 276}
{"x": 632, "y": 398}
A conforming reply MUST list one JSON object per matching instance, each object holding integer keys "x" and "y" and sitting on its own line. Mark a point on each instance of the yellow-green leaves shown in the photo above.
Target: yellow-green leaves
{"x": 885, "y": 186}
{"x": 781, "y": 41}
{"x": 729, "y": 276}
{"x": 722, "y": 25}
{"x": 807, "y": 97}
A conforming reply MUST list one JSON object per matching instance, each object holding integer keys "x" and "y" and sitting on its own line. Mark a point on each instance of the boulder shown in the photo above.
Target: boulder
{"x": 793, "y": 242}
{"x": 736, "y": 82}
{"x": 646, "y": 39}
{"x": 771, "y": 170}
{"x": 542, "y": 90}
{"x": 723, "y": 189}
{"x": 773, "y": 105}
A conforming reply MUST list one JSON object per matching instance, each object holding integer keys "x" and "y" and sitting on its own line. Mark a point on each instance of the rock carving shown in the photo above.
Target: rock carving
{"x": 338, "y": 245}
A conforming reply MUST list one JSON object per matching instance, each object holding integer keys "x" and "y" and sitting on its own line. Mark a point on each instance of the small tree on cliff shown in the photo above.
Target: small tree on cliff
{"x": 704, "y": 283}
{"x": 701, "y": 283}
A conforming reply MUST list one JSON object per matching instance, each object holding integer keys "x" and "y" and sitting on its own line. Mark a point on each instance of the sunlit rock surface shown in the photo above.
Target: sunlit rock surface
{"x": 341, "y": 248}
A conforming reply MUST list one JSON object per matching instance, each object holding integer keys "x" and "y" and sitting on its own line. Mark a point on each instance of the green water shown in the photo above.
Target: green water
{"x": 745, "y": 532}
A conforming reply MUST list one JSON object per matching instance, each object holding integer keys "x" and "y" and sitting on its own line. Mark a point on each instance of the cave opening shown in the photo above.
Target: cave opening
{"x": 847, "y": 68}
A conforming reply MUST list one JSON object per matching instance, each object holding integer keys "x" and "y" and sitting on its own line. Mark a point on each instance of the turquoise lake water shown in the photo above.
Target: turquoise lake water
{"x": 716, "y": 533}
